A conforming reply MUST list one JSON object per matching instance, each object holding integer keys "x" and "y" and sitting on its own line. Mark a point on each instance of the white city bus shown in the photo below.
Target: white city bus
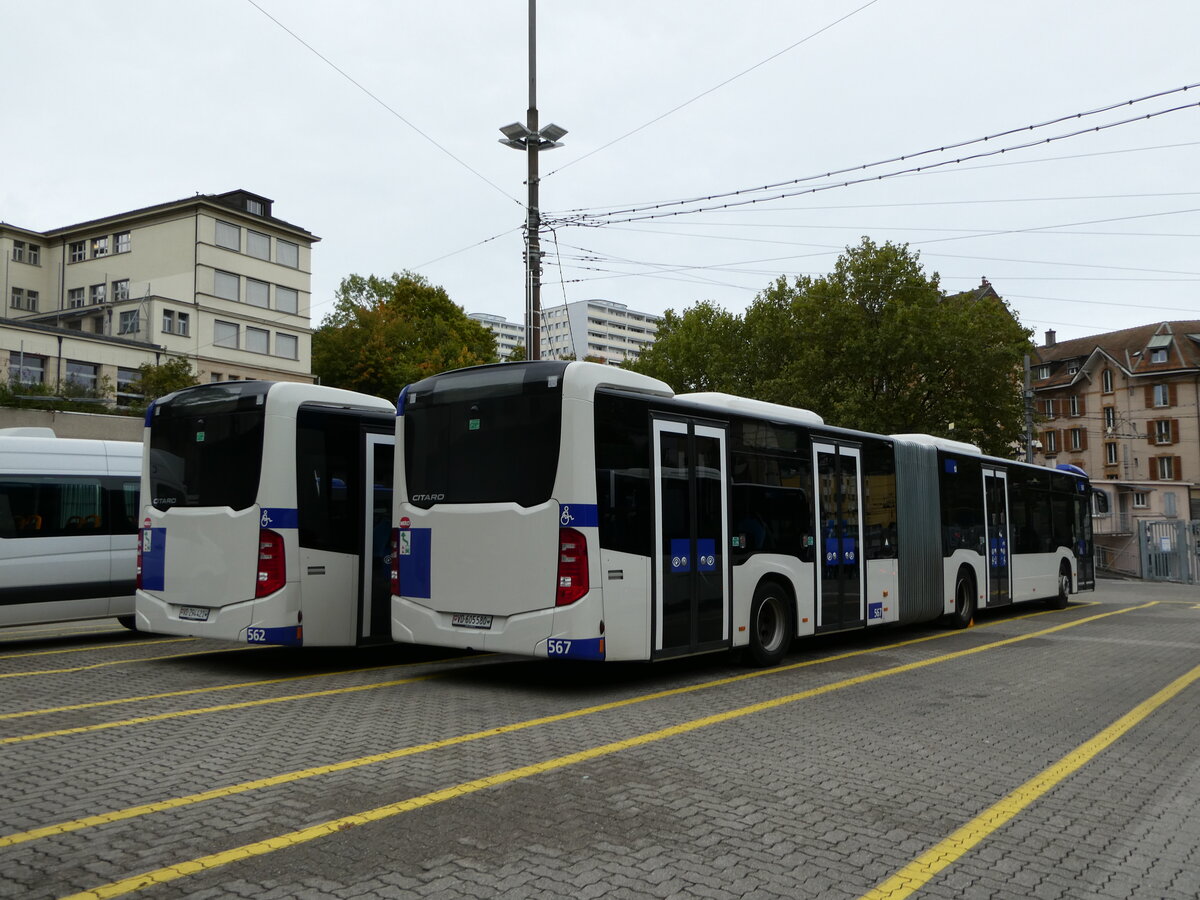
{"x": 266, "y": 512}
{"x": 68, "y": 517}
{"x": 576, "y": 510}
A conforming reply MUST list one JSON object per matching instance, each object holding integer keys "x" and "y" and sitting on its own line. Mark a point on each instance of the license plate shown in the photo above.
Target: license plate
{"x": 195, "y": 613}
{"x": 471, "y": 620}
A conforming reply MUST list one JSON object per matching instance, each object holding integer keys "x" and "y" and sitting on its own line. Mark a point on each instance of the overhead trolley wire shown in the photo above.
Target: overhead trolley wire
{"x": 584, "y": 217}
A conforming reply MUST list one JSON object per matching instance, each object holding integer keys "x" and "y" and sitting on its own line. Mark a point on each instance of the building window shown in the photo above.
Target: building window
{"x": 81, "y": 374}
{"x": 1106, "y": 381}
{"x": 1099, "y": 502}
{"x": 1162, "y": 431}
{"x": 258, "y": 245}
{"x": 225, "y": 285}
{"x": 98, "y": 292}
{"x": 120, "y": 290}
{"x": 1141, "y": 499}
{"x": 31, "y": 300}
{"x": 75, "y": 298}
{"x": 286, "y": 299}
{"x": 286, "y": 345}
{"x": 1075, "y": 404}
{"x": 129, "y": 322}
{"x": 18, "y": 298}
{"x": 168, "y": 322}
{"x": 182, "y": 324}
{"x": 1040, "y": 373}
{"x": 1049, "y": 441}
{"x": 127, "y": 379}
{"x": 1078, "y": 439}
{"x": 1158, "y": 356}
{"x": 1169, "y": 509}
{"x": 1166, "y": 468}
{"x": 225, "y": 334}
{"x": 258, "y": 293}
{"x": 1110, "y": 453}
{"x": 1073, "y": 369}
{"x": 1162, "y": 395}
{"x": 255, "y": 207}
{"x": 99, "y": 247}
{"x": 18, "y": 251}
{"x": 1110, "y": 417}
{"x": 229, "y": 236}
{"x": 257, "y": 340}
{"x": 24, "y": 368}
{"x": 287, "y": 253}
{"x": 124, "y": 241}
{"x": 78, "y": 251}
{"x": 1047, "y": 405}
{"x": 33, "y": 255}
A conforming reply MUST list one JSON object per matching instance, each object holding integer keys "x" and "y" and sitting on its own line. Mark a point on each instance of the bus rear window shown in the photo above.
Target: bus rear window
{"x": 485, "y": 435}
{"x": 206, "y": 446}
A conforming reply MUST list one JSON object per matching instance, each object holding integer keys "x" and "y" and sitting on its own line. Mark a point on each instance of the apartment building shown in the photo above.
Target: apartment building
{"x": 597, "y": 328}
{"x": 216, "y": 278}
{"x": 1125, "y": 407}
{"x": 509, "y": 335}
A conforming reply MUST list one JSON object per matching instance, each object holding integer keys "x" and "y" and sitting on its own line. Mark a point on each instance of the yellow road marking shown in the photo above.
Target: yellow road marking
{"x": 124, "y": 662}
{"x": 918, "y": 873}
{"x": 303, "y": 835}
{"x": 174, "y": 803}
{"x": 120, "y": 646}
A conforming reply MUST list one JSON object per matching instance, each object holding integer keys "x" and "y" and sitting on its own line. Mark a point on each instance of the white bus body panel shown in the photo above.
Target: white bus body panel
{"x": 327, "y": 579}
{"x": 625, "y": 577}
{"x": 206, "y": 565}
{"x": 776, "y": 567}
{"x": 881, "y": 591}
{"x": 69, "y": 559}
{"x": 1035, "y": 575}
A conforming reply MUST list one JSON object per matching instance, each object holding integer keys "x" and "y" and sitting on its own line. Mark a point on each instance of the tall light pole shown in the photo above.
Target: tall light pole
{"x": 532, "y": 140}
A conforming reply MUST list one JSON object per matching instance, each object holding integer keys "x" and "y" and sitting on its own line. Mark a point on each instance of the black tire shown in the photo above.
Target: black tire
{"x": 129, "y": 622}
{"x": 770, "y": 625}
{"x": 964, "y": 600}
{"x": 1063, "y": 597}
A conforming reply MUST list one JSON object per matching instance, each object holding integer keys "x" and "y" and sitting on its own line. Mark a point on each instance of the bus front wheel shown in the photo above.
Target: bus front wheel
{"x": 770, "y": 625}
{"x": 964, "y": 600}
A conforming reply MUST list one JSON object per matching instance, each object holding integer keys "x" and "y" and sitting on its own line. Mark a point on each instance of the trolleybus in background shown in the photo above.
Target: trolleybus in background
{"x": 68, "y": 517}
{"x": 265, "y": 514}
{"x": 577, "y": 510}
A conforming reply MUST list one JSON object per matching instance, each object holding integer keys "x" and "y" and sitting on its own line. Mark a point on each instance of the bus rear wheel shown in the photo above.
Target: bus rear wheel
{"x": 129, "y": 622}
{"x": 770, "y": 625}
{"x": 964, "y": 601}
{"x": 1063, "y": 597}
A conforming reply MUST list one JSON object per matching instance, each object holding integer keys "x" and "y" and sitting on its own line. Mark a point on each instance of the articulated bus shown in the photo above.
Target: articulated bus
{"x": 569, "y": 509}
{"x": 266, "y": 514}
{"x": 68, "y": 515}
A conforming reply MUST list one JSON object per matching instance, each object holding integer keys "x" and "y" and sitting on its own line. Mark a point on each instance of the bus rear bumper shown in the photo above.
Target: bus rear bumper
{"x": 223, "y": 623}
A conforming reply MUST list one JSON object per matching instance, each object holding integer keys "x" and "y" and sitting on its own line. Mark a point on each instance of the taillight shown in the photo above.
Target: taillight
{"x": 138, "y": 576}
{"x": 395, "y": 566}
{"x": 272, "y": 572}
{"x": 572, "y": 566}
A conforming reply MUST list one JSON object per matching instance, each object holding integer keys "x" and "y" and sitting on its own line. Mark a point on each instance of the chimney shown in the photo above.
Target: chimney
{"x": 1050, "y": 337}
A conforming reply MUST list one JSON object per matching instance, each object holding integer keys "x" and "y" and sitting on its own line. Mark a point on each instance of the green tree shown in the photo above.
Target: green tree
{"x": 385, "y": 333}
{"x": 701, "y": 349}
{"x": 518, "y": 354}
{"x": 156, "y": 381}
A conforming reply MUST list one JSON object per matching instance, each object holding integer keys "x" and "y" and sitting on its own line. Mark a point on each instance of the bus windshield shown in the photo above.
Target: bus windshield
{"x": 484, "y": 435}
{"x": 206, "y": 446}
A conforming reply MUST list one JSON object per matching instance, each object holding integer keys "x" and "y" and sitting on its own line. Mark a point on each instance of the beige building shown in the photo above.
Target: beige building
{"x": 597, "y": 328}
{"x": 215, "y": 278}
{"x": 1125, "y": 407}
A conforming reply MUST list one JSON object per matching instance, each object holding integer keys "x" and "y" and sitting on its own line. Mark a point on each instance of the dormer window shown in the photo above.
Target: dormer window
{"x": 1158, "y": 348}
{"x": 1158, "y": 356}
{"x": 1041, "y": 372}
{"x": 1072, "y": 368}
{"x": 255, "y": 207}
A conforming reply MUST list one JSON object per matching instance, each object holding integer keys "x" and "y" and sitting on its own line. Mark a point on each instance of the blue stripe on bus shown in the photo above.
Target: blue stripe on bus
{"x": 279, "y": 517}
{"x": 287, "y": 636}
{"x": 578, "y": 515}
{"x": 154, "y": 559}
{"x": 149, "y": 413}
{"x": 591, "y": 648}
{"x": 414, "y": 553}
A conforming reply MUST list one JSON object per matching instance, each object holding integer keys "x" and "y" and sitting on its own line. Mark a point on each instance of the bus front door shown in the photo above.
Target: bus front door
{"x": 376, "y": 593}
{"x": 838, "y": 487}
{"x": 691, "y": 608}
{"x": 995, "y": 510}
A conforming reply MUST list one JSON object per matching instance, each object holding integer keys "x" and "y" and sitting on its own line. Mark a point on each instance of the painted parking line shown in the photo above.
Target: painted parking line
{"x": 314, "y": 771}
{"x": 224, "y": 707}
{"x": 332, "y": 826}
{"x": 918, "y": 873}
{"x": 139, "y": 659}
{"x": 118, "y": 646}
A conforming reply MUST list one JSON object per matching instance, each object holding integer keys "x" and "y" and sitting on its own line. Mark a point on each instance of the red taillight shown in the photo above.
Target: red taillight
{"x": 138, "y": 576}
{"x": 395, "y": 562}
{"x": 272, "y": 572}
{"x": 572, "y": 566}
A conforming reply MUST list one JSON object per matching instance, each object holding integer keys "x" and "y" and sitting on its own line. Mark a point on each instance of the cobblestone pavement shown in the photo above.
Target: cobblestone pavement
{"x": 393, "y": 772}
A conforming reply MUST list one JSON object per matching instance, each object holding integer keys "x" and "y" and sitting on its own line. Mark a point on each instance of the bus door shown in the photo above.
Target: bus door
{"x": 375, "y": 600}
{"x": 837, "y": 471}
{"x": 691, "y": 608}
{"x": 995, "y": 514}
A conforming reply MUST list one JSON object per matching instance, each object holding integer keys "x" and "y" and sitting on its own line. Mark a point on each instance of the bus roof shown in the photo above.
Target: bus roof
{"x": 68, "y": 456}
{"x": 760, "y": 408}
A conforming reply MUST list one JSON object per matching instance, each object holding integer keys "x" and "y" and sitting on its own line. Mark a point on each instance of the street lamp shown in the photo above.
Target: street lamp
{"x": 531, "y": 139}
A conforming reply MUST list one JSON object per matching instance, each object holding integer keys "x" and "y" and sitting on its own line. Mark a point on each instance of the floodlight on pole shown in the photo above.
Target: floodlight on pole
{"x": 532, "y": 140}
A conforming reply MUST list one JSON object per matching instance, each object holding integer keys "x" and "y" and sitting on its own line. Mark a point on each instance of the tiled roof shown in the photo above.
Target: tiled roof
{"x": 1126, "y": 348}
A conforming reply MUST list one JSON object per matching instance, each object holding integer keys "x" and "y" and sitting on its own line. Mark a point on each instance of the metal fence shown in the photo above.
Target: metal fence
{"x": 1170, "y": 550}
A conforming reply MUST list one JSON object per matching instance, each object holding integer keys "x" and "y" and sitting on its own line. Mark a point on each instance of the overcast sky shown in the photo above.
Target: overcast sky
{"x": 111, "y": 107}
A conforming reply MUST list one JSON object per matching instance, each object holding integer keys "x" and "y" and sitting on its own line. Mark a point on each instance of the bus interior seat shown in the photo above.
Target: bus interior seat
{"x": 29, "y": 523}
{"x": 92, "y": 521}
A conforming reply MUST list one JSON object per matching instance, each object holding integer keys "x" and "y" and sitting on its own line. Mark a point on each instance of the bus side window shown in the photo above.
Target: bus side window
{"x": 8, "y": 525}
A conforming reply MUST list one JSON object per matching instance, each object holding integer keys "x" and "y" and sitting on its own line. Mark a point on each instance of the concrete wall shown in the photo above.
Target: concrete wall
{"x": 74, "y": 424}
